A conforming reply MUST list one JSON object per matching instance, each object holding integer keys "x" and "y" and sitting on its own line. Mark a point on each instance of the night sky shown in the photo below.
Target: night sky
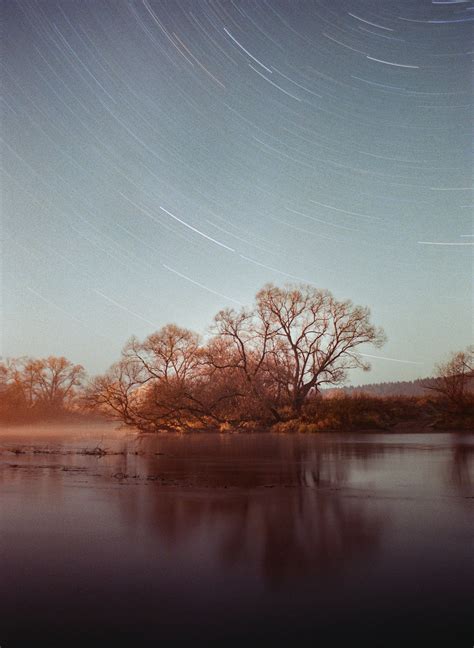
{"x": 164, "y": 159}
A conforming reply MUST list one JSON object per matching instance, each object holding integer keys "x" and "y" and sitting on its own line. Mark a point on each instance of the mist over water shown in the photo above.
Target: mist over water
{"x": 108, "y": 535}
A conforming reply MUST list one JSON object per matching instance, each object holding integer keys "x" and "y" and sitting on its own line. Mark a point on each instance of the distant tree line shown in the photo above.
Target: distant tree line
{"x": 452, "y": 382}
{"x": 407, "y": 388}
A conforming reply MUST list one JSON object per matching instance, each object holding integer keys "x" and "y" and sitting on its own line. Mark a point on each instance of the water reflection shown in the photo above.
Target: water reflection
{"x": 287, "y": 535}
{"x": 460, "y": 467}
{"x": 300, "y": 527}
{"x": 249, "y": 461}
{"x": 235, "y": 534}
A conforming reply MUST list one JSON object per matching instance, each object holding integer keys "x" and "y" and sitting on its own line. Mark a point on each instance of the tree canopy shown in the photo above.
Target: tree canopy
{"x": 258, "y": 363}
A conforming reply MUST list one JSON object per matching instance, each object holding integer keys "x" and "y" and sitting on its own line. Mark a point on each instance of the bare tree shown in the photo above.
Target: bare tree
{"x": 170, "y": 363}
{"x": 57, "y": 379}
{"x": 164, "y": 382}
{"x": 171, "y": 354}
{"x": 241, "y": 348}
{"x": 49, "y": 382}
{"x": 294, "y": 340}
{"x": 454, "y": 379}
{"x": 117, "y": 394}
{"x": 260, "y": 361}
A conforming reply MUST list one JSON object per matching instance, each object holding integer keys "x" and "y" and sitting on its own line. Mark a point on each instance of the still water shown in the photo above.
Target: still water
{"x": 107, "y": 536}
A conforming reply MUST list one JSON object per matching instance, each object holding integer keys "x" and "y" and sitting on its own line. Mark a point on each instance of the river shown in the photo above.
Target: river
{"x": 106, "y": 535}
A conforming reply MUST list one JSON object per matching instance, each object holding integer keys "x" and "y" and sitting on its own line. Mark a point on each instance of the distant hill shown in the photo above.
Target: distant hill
{"x": 400, "y": 388}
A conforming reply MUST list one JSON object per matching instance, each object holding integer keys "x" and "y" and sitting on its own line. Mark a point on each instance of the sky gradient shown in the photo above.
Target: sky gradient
{"x": 163, "y": 160}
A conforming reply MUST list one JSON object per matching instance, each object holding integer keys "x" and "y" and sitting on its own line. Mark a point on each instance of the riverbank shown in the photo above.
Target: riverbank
{"x": 358, "y": 413}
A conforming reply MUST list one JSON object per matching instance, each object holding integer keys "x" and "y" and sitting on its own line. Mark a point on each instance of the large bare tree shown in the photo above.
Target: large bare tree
{"x": 261, "y": 361}
{"x": 295, "y": 340}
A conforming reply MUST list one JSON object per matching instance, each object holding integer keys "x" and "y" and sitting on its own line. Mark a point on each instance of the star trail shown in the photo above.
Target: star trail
{"x": 164, "y": 159}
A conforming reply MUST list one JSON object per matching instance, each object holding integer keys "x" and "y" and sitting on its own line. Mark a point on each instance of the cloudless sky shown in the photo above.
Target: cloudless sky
{"x": 164, "y": 159}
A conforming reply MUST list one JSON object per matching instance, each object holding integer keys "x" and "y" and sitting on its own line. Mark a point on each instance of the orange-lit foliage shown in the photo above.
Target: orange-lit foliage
{"x": 263, "y": 366}
{"x": 32, "y": 388}
{"x": 260, "y": 362}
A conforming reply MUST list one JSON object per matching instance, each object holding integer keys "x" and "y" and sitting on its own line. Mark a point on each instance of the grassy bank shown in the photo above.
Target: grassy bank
{"x": 369, "y": 413}
{"x": 341, "y": 413}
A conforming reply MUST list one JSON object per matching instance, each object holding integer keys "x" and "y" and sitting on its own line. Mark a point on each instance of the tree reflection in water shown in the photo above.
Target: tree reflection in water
{"x": 287, "y": 514}
{"x": 215, "y": 536}
{"x": 460, "y": 467}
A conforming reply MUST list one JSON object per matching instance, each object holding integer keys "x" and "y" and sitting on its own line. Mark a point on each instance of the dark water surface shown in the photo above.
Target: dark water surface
{"x": 361, "y": 539}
